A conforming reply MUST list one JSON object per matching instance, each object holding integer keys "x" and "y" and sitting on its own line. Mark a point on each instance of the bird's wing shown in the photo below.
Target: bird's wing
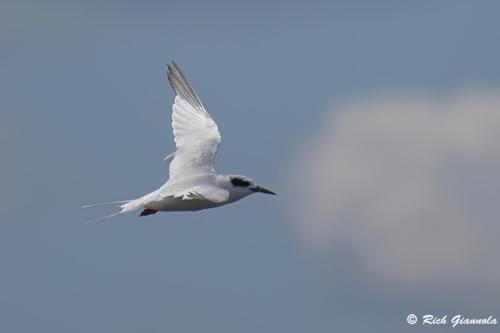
{"x": 197, "y": 137}
{"x": 205, "y": 192}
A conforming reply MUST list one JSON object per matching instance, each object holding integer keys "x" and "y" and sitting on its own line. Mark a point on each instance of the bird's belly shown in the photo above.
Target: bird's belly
{"x": 178, "y": 204}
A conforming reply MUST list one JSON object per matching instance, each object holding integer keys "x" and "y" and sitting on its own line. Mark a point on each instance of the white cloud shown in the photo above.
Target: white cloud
{"x": 409, "y": 186}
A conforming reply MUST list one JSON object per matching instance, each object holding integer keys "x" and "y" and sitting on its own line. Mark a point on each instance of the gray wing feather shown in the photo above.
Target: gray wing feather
{"x": 182, "y": 87}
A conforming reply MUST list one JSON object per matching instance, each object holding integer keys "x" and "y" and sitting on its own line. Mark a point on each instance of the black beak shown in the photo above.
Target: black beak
{"x": 262, "y": 190}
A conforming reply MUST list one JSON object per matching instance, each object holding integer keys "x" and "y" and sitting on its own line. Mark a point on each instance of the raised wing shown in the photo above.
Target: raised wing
{"x": 197, "y": 137}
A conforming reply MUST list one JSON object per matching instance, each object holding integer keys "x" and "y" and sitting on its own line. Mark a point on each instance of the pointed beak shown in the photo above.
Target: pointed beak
{"x": 263, "y": 190}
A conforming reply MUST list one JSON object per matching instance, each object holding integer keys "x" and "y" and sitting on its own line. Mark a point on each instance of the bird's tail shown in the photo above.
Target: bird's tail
{"x": 124, "y": 205}
{"x": 106, "y": 203}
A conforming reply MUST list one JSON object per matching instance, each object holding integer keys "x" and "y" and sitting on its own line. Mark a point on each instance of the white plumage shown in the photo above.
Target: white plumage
{"x": 192, "y": 184}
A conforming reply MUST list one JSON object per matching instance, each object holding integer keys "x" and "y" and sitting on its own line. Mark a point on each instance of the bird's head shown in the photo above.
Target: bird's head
{"x": 246, "y": 186}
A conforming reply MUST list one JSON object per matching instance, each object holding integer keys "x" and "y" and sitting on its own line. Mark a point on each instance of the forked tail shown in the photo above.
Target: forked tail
{"x": 106, "y": 203}
{"x": 124, "y": 205}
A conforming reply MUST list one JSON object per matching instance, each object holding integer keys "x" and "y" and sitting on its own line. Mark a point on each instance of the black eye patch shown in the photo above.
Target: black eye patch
{"x": 240, "y": 182}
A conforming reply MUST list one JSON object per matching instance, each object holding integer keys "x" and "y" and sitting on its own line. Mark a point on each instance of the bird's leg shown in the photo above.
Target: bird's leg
{"x": 148, "y": 211}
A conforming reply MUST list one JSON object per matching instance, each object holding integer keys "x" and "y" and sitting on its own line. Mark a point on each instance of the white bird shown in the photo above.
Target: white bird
{"x": 192, "y": 184}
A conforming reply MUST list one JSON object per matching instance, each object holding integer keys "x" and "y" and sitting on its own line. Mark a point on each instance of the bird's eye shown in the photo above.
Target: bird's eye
{"x": 240, "y": 182}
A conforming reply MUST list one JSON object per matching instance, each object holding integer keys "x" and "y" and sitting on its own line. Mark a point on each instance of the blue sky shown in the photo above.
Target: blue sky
{"x": 85, "y": 117}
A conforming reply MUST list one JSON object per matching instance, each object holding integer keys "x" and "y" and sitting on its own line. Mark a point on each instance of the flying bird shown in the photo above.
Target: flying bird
{"x": 193, "y": 184}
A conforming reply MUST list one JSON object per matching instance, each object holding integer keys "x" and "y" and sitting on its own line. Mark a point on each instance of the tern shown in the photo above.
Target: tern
{"x": 192, "y": 184}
